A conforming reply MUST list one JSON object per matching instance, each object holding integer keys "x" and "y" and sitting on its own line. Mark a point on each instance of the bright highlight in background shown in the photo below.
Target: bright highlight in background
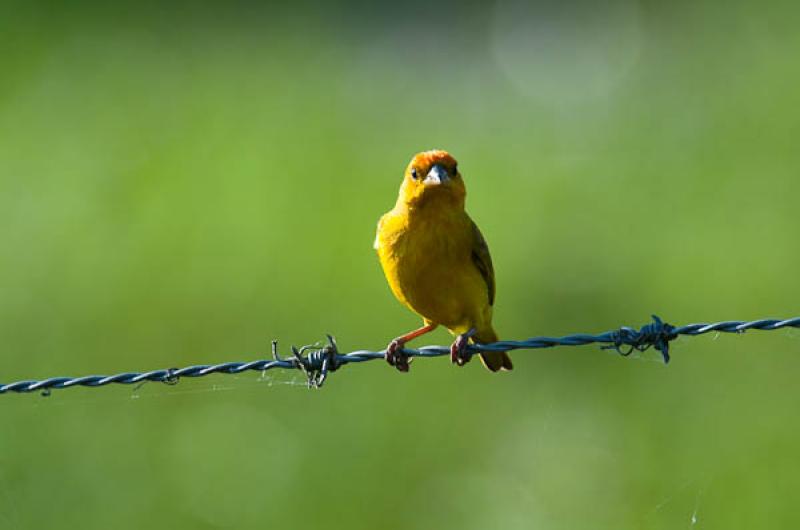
{"x": 559, "y": 54}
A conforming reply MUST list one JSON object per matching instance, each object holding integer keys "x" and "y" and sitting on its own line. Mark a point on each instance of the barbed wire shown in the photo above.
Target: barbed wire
{"x": 317, "y": 361}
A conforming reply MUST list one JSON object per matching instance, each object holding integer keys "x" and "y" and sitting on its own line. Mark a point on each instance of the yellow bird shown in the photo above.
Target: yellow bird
{"x": 437, "y": 262}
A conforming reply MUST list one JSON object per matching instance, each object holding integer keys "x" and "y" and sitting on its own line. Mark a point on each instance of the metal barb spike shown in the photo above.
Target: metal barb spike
{"x": 275, "y": 354}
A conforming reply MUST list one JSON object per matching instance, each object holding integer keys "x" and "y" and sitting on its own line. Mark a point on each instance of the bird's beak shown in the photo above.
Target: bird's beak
{"x": 437, "y": 175}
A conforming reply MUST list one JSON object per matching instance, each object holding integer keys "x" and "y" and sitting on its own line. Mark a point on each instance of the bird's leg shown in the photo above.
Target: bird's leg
{"x": 458, "y": 351}
{"x": 394, "y": 355}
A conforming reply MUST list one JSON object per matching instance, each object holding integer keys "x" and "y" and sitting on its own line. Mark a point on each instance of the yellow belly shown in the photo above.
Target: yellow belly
{"x": 429, "y": 268}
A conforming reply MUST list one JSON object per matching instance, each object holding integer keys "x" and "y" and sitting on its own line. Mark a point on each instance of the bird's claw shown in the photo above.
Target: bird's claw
{"x": 395, "y": 357}
{"x": 458, "y": 351}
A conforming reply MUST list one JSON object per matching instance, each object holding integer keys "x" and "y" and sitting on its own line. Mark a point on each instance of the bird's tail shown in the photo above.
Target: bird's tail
{"x": 494, "y": 361}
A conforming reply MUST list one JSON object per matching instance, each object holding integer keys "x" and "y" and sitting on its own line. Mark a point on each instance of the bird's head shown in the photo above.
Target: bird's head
{"x": 432, "y": 177}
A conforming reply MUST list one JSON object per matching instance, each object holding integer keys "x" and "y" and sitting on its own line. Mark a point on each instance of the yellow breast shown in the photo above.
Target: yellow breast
{"x": 426, "y": 257}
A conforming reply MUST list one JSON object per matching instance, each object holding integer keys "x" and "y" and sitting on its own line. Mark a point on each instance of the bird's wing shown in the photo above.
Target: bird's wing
{"x": 483, "y": 260}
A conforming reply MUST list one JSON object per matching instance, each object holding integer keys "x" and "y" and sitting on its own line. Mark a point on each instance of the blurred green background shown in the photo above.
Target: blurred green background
{"x": 182, "y": 184}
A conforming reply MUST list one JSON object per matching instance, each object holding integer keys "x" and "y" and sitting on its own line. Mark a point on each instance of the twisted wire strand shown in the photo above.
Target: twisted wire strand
{"x": 316, "y": 361}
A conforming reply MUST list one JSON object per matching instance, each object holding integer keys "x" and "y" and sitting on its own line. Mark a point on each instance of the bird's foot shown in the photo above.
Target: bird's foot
{"x": 458, "y": 351}
{"x": 395, "y": 357}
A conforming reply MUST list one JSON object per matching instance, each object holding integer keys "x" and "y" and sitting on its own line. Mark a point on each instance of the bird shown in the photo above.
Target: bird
{"x": 437, "y": 262}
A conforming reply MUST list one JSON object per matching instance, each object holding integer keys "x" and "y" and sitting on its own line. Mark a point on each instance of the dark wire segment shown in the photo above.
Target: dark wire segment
{"x": 317, "y": 361}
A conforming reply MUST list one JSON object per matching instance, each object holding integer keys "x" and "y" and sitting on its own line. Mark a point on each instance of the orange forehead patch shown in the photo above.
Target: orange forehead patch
{"x": 437, "y": 156}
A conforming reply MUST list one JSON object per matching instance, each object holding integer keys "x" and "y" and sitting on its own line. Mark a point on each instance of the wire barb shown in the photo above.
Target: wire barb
{"x": 320, "y": 361}
{"x": 656, "y": 334}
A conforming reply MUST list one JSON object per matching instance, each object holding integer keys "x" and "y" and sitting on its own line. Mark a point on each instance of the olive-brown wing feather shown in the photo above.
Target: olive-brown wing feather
{"x": 483, "y": 260}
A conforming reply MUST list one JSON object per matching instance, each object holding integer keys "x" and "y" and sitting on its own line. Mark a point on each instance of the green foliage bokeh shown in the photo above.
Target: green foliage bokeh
{"x": 181, "y": 185}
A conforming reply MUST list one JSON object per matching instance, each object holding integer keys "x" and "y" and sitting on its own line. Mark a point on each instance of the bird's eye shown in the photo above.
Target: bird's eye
{"x": 455, "y": 170}
{"x": 414, "y": 173}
